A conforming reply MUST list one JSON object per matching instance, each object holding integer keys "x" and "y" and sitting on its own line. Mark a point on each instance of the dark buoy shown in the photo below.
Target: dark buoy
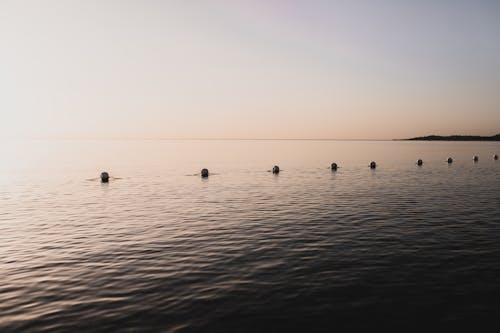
{"x": 104, "y": 177}
{"x": 373, "y": 165}
{"x": 475, "y": 158}
{"x": 204, "y": 173}
{"x": 276, "y": 169}
{"x": 334, "y": 166}
{"x": 495, "y": 157}
{"x": 420, "y": 162}
{"x": 450, "y": 160}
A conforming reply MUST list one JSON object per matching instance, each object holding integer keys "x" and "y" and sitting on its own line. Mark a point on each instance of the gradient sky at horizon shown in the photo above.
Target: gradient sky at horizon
{"x": 249, "y": 69}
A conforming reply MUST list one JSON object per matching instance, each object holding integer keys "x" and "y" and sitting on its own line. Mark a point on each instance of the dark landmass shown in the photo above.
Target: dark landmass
{"x": 457, "y": 138}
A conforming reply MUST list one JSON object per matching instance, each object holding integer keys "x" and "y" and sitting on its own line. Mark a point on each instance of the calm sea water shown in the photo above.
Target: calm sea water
{"x": 161, "y": 250}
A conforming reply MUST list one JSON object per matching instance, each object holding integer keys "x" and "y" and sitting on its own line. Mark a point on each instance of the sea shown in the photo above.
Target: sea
{"x": 161, "y": 249}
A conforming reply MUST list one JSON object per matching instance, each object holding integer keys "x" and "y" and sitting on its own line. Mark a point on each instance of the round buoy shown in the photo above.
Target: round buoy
{"x": 104, "y": 177}
{"x": 495, "y": 157}
{"x": 276, "y": 169}
{"x": 420, "y": 162}
{"x": 450, "y": 160}
{"x": 334, "y": 166}
{"x": 475, "y": 158}
{"x": 204, "y": 173}
{"x": 373, "y": 165}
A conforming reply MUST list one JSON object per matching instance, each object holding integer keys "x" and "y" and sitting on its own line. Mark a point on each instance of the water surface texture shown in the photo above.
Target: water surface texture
{"x": 161, "y": 250}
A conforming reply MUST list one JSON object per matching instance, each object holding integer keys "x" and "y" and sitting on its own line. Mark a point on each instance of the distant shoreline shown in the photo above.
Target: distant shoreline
{"x": 456, "y": 138}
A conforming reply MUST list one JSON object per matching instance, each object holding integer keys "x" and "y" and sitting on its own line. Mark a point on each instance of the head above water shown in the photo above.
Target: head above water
{"x": 450, "y": 160}
{"x": 204, "y": 173}
{"x": 495, "y": 157}
{"x": 373, "y": 165}
{"x": 276, "y": 169}
{"x": 475, "y": 158}
{"x": 334, "y": 166}
{"x": 420, "y": 162}
{"x": 104, "y": 177}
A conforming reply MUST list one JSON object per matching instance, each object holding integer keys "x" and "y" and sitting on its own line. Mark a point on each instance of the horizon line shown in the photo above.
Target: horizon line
{"x": 193, "y": 139}
{"x": 213, "y": 138}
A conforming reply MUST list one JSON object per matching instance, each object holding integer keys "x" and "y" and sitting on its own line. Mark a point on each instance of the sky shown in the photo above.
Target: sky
{"x": 367, "y": 69}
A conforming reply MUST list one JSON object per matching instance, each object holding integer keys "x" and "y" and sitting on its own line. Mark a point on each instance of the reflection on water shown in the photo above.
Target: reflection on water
{"x": 244, "y": 250}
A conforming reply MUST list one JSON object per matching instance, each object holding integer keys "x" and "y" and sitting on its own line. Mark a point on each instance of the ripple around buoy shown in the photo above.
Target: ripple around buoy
{"x": 334, "y": 166}
{"x": 104, "y": 177}
{"x": 276, "y": 169}
{"x": 420, "y": 162}
{"x": 450, "y": 160}
{"x": 204, "y": 173}
{"x": 373, "y": 165}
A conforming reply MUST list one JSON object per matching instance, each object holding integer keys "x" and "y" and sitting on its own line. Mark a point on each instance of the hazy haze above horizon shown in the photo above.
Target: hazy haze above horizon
{"x": 249, "y": 69}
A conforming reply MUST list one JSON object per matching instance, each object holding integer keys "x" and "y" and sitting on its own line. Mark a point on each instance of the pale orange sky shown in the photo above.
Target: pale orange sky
{"x": 249, "y": 69}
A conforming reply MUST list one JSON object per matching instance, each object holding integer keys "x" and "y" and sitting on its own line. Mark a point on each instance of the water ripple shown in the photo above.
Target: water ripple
{"x": 311, "y": 251}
